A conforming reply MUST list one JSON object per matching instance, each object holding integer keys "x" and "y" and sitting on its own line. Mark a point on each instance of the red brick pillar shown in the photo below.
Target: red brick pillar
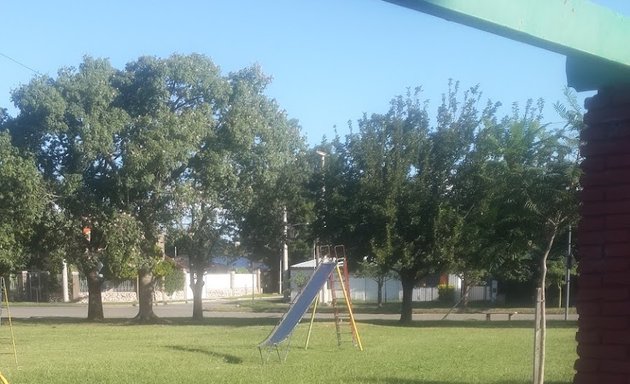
{"x": 603, "y": 300}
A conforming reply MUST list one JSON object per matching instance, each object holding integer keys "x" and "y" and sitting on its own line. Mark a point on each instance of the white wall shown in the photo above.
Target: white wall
{"x": 226, "y": 285}
{"x": 365, "y": 289}
{"x": 215, "y": 285}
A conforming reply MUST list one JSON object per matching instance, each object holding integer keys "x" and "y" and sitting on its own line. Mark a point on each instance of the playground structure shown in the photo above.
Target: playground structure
{"x": 332, "y": 269}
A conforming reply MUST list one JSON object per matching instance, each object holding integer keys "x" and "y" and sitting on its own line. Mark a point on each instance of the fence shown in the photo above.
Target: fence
{"x": 32, "y": 286}
{"x": 215, "y": 285}
{"x": 366, "y": 289}
{"x": 42, "y": 287}
{"x": 363, "y": 289}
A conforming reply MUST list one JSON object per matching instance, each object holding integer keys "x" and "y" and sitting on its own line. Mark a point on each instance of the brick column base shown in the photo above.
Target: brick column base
{"x": 603, "y": 300}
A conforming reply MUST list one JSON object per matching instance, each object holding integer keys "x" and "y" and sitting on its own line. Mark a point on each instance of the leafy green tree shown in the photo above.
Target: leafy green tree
{"x": 201, "y": 238}
{"x": 536, "y": 201}
{"x": 556, "y": 274}
{"x": 270, "y": 170}
{"x": 383, "y": 155}
{"x": 125, "y": 150}
{"x": 114, "y": 143}
{"x": 377, "y": 272}
{"x": 334, "y": 190}
{"x": 172, "y": 104}
{"x": 405, "y": 174}
{"x": 22, "y": 203}
{"x": 174, "y": 280}
{"x": 470, "y": 202}
{"x": 434, "y": 212}
{"x": 70, "y": 125}
{"x": 246, "y": 170}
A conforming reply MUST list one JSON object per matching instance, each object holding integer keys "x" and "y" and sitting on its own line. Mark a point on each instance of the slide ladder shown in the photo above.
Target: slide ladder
{"x": 6, "y": 311}
{"x": 345, "y": 324}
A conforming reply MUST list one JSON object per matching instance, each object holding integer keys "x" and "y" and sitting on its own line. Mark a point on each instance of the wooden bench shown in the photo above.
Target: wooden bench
{"x": 509, "y": 314}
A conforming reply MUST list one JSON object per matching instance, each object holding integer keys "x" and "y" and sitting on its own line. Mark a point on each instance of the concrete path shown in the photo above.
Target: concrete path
{"x": 127, "y": 311}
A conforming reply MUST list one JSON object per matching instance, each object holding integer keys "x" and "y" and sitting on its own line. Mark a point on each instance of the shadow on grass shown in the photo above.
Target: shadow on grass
{"x": 230, "y": 359}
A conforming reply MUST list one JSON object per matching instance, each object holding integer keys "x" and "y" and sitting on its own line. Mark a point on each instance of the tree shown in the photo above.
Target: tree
{"x": 383, "y": 157}
{"x": 537, "y": 200}
{"x": 405, "y": 172}
{"x": 270, "y": 169}
{"x": 172, "y": 104}
{"x": 557, "y": 273}
{"x": 377, "y": 272}
{"x": 469, "y": 197}
{"x": 334, "y": 190}
{"x": 113, "y": 145}
{"x": 70, "y": 125}
{"x": 202, "y": 237}
{"x": 124, "y": 151}
{"x": 245, "y": 170}
{"x": 22, "y": 203}
{"x": 432, "y": 216}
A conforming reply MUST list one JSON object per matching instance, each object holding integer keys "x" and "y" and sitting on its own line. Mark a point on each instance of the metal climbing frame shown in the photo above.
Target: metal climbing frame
{"x": 342, "y": 303}
{"x": 338, "y": 282}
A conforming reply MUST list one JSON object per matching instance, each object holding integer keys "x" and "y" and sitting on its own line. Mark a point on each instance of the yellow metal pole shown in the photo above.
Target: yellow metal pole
{"x": 352, "y": 322}
{"x": 6, "y": 301}
{"x": 310, "y": 327}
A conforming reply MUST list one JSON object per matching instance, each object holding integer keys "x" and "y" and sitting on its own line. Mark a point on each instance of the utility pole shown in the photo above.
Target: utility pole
{"x": 284, "y": 261}
{"x": 568, "y": 278}
{"x": 322, "y": 156}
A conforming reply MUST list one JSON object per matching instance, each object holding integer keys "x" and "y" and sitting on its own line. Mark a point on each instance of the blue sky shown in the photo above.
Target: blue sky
{"x": 331, "y": 60}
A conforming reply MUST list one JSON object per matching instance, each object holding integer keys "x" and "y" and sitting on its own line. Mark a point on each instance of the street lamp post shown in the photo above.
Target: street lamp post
{"x": 322, "y": 156}
{"x": 568, "y": 279}
{"x": 284, "y": 261}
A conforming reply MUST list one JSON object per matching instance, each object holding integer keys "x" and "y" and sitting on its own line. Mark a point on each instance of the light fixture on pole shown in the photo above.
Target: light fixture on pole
{"x": 322, "y": 156}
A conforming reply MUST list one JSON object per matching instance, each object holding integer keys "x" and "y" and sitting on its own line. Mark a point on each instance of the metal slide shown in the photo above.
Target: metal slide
{"x": 300, "y": 305}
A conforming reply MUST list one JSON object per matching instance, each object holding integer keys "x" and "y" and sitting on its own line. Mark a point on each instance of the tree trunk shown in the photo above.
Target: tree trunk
{"x": 466, "y": 290}
{"x": 379, "y": 294}
{"x": 146, "y": 284}
{"x": 406, "y": 310}
{"x": 196, "y": 285}
{"x": 543, "y": 314}
{"x": 95, "y": 300}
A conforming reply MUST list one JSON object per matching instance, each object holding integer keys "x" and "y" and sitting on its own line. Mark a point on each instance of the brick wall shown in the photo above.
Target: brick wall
{"x": 603, "y": 301}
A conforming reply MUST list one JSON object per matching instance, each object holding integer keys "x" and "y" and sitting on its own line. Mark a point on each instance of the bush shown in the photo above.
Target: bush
{"x": 174, "y": 281}
{"x": 446, "y": 293}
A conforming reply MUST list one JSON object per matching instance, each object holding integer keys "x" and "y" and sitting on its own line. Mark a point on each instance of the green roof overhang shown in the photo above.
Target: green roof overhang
{"x": 595, "y": 40}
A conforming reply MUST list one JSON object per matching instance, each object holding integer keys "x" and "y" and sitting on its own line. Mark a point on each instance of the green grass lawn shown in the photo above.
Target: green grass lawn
{"x": 273, "y": 304}
{"x": 224, "y": 351}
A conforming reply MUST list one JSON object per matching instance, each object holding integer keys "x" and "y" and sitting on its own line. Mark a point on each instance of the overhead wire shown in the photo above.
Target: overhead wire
{"x": 20, "y": 63}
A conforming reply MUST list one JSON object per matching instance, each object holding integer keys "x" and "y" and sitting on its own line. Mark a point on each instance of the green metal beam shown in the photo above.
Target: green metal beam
{"x": 594, "y": 38}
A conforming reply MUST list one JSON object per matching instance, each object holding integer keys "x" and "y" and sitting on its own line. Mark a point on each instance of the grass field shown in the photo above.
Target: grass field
{"x": 224, "y": 351}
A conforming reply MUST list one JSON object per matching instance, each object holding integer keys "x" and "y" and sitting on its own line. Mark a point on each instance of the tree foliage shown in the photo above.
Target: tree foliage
{"x": 405, "y": 172}
{"x": 469, "y": 193}
{"x": 126, "y": 153}
{"x": 22, "y": 204}
{"x": 174, "y": 144}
